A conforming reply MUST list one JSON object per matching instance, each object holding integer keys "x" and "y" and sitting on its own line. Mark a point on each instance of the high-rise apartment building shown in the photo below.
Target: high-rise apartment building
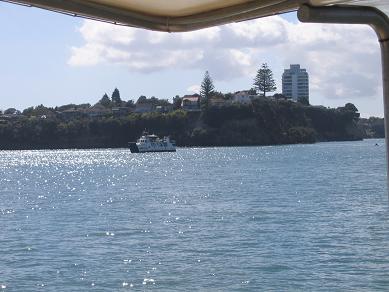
{"x": 295, "y": 84}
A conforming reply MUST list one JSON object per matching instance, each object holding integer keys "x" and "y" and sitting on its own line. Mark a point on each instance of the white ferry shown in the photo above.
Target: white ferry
{"x": 152, "y": 143}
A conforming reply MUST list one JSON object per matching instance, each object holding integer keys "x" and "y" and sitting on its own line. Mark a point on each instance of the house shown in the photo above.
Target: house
{"x": 164, "y": 108}
{"x": 120, "y": 111}
{"x": 279, "y": 96}
{"x": 219, "y": 100}
{"x": 97, "y": 111}
{"x": 242, "y": 97}
{"x": 71, "y": 114}
{"x": 12, "y": 117}
{"x": 144, "y": 108}
{"x": 191, "y": 102}
{"x": 12, "y": 112}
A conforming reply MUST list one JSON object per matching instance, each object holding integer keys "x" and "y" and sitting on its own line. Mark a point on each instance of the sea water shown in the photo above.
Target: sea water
{"x": 277, "y": 218}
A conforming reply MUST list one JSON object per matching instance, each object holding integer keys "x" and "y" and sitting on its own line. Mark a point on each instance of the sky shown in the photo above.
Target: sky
{"x": 54, "y": 59}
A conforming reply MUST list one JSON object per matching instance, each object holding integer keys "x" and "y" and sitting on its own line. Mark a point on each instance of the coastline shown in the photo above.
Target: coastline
{"x": 188, "y": 146}
{"x": 266, "y": 122}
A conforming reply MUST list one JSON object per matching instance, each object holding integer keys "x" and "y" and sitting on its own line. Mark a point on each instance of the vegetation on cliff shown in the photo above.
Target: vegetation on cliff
{"x": 372, "y": 127}
{"x": 266, "y": 121}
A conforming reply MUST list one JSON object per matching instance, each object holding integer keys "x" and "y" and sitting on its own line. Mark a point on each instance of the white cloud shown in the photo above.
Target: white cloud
{"x": 88, "y": 55}
{"x": 342, "y": 60}
{"x": 195, "y": 88}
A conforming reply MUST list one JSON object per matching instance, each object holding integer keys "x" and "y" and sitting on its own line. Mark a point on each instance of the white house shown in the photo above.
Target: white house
{"x": 191, "y": 102}
{"x": 242, "y": 97}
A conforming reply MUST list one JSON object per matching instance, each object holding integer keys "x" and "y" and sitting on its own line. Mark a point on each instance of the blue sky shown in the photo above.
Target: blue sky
{"x": 53, "y": 59}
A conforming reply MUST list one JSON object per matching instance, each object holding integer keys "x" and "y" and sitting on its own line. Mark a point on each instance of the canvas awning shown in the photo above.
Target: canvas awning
{"x": 181, "y": 15}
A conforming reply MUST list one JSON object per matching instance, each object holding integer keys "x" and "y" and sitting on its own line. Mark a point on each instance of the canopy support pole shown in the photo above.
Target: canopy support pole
{"x": 359, "y": 15}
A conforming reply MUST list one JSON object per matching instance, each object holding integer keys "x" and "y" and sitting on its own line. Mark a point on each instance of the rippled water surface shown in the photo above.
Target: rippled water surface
{"x": 282, "y": 218}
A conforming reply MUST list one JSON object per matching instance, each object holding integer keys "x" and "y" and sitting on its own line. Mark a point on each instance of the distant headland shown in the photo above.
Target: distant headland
{"x": 210, "y": 118}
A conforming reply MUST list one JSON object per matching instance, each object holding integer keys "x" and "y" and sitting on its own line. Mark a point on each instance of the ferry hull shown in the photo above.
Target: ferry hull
{"x": 150, "y": 151}
{"x": 135, "y": 149}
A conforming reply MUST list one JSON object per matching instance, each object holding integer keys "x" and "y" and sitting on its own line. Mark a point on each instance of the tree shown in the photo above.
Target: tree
{"x": 105, "y": 101}
{"x": 228, "y": 96}
{"x": 351, "y": 107}
{"x": 11, "y": 111}
{"x": 207, "y": 89}
{"x": 116, "y": 100}
{"x": 252, "y": 91}
{"x": 177, "y": 102}
{"x": 153, "y": 100}
{"x": 130, "y": 103}
{"x": 351, "y": 110}
{"x": 141, "y": 99}
{"x": 303, "y": 100}
{"x": 28, "y": 111}
{"x": 264, "y": 81}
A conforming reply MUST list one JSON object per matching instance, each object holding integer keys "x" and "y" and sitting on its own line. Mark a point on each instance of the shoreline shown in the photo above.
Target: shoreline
{"x": 265, "y": 123}
{"x": 185, "y": 147}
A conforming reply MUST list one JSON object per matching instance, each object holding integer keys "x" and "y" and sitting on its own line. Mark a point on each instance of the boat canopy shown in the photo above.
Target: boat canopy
{"x": 182, "y": 15}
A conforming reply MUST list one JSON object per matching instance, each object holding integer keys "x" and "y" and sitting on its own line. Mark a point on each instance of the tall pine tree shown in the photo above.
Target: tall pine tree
{"x": 207, "y": 89}
{"x": 116, "y": 100}
{"x": 264, "y": 81}
{"x": 105, "y": 101}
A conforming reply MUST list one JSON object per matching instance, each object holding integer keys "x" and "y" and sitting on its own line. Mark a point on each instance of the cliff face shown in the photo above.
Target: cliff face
{"x": 265, "y": 122}
{"x": 372, "y": 127}
{"x": 276, "y": 122}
